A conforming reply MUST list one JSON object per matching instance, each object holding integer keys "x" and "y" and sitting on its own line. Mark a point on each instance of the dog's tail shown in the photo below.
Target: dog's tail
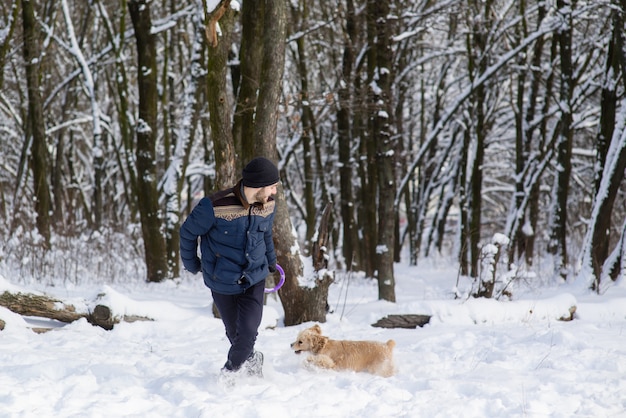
{"x": 390, "y": 344}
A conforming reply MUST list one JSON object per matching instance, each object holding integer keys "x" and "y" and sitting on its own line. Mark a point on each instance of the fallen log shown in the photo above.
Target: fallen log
{"x": 410, "y": 321}
{"x": 26, "y": 304}
{"x": 38, "y": 305}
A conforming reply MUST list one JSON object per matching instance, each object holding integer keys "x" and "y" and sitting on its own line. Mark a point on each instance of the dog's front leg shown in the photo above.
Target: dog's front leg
{"x": 321, "y": 360}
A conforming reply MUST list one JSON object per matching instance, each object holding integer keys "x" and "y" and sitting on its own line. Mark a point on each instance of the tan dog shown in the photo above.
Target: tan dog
{"x": 359, "y": 356}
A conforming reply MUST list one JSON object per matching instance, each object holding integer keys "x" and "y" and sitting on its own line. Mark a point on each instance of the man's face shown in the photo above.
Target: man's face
{"x": 264, "y": 193}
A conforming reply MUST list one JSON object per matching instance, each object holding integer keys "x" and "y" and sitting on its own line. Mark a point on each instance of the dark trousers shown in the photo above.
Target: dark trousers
{"x": 241, "y": 315}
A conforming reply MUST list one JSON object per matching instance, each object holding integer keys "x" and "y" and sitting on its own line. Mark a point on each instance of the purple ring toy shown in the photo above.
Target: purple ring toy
{"x": 280, "y": 282}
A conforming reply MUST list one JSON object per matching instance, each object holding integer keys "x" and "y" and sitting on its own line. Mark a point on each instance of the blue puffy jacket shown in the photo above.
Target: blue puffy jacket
{"x": 236, "y": 241}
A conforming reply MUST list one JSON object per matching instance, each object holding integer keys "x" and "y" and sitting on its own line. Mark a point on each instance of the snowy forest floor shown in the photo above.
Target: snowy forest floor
{"x": 476, "y": 357}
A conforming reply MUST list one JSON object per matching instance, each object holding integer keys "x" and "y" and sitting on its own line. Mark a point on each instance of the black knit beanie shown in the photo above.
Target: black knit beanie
{"x": 260, "y": 172}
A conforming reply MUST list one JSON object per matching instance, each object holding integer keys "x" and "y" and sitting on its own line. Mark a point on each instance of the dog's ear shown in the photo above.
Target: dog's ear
{"x": 318, "y": 342}
{"x": 316, "y": 328}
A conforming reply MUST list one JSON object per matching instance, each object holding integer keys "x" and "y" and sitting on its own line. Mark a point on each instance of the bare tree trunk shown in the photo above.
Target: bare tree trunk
{"x": 252, "y": 23}
{"x": 5, "y": 44}
{"x": 603, "y": 208}
{"x": 558, "y": 233}
{"x": 368, "y": 169}
{"x": 463, "y": 207}
{"x": 35, "y": 123}
{"x": 145, "y": 152}
{"x": 521, "y": 140}
{"x": 383, "y": 135}
{"x": 220, "y": 104}
{"x": 173, "y": 160}
{"x": 478, "y": 62}
{"x": 302, "y": 303}
{"x": 270, "y": 86}
{"x": 476, "y": 180}
{"x": 609, "y": 173}
{"x": 344, "y": 131}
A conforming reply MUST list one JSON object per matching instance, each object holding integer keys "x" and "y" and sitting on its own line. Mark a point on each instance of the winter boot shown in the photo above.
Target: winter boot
{"x": 227, "y": 377}
{"x": 227, "y": 374}
{"x": 254, "y": 364}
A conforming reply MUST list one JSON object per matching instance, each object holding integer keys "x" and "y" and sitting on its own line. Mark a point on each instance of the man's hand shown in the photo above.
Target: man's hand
{"x": 195, "y": 267}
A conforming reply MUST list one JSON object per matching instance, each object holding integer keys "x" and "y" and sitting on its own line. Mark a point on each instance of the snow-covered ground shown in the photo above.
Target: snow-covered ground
{"x": 476, "y": 358}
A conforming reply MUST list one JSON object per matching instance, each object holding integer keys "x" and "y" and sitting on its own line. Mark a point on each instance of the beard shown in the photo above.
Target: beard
{"x": 261, "y": 197}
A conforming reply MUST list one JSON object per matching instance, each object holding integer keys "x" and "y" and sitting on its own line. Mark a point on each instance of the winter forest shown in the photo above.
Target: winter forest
{"x": 490, "y": 131}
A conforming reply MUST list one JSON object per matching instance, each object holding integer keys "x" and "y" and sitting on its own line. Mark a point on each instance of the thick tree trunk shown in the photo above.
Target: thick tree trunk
{"x": 301, "y": 304}
{"x": 252, "y": 26}
{"x": 271, "y": 77}
{"x": 305, "y": 303}
{"x": 263, "y": 49}
{"x": 35, "y": 123}
{"x": 145, "y": 151}
{"x": 220, "y": 104}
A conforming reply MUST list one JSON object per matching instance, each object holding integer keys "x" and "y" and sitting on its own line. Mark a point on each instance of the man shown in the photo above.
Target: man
{"x": 237, "y": 250}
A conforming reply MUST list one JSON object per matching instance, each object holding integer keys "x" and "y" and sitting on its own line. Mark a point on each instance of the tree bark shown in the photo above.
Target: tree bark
{"x": 368, "y": 167}
{"x": 609, "y": 176}
{"x": 304, "y": 303}
{"x": 271, "y": 77}
{"x": 301, "y": 304}
{"x": 5, "y": 45}
{"x": 464, "y": 265}
{"x": 558, "y": 236}
{"x": 145, "y": 151}
{"x": 478, "y": 53}
{"x": 385, "y": 140}
{"x": 344, "y": 131}
{"x": 252, "y": 23}
{"x": 220, "y": 103}
{"x": 36, "y": 131}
